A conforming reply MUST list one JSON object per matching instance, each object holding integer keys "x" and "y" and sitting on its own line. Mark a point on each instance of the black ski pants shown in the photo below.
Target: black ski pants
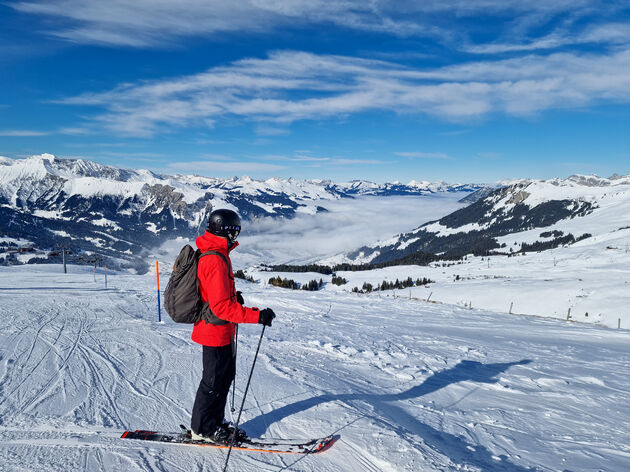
{"x": 219, "y": 367}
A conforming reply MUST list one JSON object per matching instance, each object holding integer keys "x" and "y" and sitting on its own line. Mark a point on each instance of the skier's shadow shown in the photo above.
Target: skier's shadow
{"x": 457, "y": 448}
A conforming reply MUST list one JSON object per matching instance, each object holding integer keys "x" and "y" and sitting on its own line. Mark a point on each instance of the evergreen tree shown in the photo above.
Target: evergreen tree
{"x": 339, "y": 280}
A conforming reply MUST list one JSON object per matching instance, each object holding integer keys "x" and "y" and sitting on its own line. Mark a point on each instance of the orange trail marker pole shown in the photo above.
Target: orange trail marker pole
{"x": 157, "y": 274}
{"x": 105, "y": 276}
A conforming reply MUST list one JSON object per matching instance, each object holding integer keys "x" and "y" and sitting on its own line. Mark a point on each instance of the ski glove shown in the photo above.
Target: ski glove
{"x": 239, "y": 298}
{"x": 266, "y": 317}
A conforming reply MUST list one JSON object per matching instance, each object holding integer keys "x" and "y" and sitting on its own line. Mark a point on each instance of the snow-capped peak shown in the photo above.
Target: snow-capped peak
{"x": 86, "y": 196}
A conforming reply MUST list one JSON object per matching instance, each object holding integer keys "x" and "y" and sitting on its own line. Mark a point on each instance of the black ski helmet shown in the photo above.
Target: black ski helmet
{"x": 225, "y": 223}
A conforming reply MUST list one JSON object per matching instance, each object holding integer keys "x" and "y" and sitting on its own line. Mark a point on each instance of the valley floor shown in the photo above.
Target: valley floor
{"x": 408, "y": 385}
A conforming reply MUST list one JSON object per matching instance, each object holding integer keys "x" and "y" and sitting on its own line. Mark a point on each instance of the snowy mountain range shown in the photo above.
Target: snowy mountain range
{"x": 523, "y": 215}
{"x": 119, "y": 213}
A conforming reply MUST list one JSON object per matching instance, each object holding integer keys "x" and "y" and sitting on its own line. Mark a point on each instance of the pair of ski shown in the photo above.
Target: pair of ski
{"x": 278, "y": 446}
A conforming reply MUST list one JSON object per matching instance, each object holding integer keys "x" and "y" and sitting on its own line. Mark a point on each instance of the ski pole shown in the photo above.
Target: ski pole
{"x": 234, "y": 351}
{"x": 238, "y": 418}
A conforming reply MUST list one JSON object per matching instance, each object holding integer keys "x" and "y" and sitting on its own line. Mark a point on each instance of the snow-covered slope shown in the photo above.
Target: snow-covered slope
{"x": 588, "y": 281}
{"x": 541, "y": 214}
{"x": 407, "y": 385}
{"x": 118, "y": 213}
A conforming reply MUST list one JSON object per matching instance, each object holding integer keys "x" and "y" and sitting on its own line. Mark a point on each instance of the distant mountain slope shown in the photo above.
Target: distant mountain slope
{"x": 535, "y": 215}
{"x": 118, "y": 213}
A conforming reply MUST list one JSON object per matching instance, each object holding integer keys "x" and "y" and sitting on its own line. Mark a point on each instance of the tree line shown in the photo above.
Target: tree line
{"x": 558, "y": 241}
{"x": 311, "y": 286}
{"x": 398, "y": 284}
{"x": 417, "y": 258}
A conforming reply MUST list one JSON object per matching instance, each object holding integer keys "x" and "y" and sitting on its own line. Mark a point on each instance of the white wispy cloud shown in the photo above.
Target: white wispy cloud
{"x": 143, "y": 23}
{"x": 271, "y": 131}
{"x": 236, "y": 167}
{"x": 296, "y": 158}
{"x": 23, "y": 133}
{"x": 287, "y": 86}
{"x": 217, "y": 157}
{"x": 333, "y": 160}
{"x": 150, "y": 23}
{"x": 356, "y": 162}
{"x": 136, "y": 155}
{"x": 613, "y": 33}
{"x": 34, "y": 133}
{"x": 75, "y": 131}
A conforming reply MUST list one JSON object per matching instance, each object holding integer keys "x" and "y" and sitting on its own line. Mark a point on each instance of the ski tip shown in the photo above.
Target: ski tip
{"x": 326, "y": 444}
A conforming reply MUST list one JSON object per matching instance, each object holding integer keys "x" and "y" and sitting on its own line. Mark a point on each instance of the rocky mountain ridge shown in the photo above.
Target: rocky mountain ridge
{"x": 119, "y": 213}
{"x": 523, "y": 215}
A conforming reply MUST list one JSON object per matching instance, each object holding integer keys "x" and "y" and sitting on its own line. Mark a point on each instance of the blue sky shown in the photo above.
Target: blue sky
{"x": 449, "y": 90}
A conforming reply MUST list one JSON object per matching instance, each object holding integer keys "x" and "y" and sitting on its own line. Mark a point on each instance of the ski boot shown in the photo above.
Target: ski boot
{"x": 241, "y": 435}
{"x": 219, "y": 436}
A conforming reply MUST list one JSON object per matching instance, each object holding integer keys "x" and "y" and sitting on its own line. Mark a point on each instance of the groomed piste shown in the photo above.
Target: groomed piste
{"x": 406, "y": 385}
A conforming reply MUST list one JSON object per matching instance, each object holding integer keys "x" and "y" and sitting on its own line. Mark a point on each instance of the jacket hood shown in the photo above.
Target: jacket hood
{"x": 212, "y": 242}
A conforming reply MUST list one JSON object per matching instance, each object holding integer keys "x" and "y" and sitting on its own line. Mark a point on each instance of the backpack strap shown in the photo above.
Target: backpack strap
{"x": 222, "y": 256}
{"x": 207, "y": 315}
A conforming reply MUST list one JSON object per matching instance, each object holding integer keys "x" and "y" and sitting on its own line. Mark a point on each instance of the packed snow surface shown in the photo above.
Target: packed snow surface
{"x": 407, "y": 385}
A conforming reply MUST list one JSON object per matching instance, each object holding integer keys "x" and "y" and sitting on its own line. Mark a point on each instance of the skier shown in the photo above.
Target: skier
{"x": 216, "y": 332}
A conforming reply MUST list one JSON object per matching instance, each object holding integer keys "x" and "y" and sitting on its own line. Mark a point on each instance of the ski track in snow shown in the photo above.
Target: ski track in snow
{"x": 407, "y": 385}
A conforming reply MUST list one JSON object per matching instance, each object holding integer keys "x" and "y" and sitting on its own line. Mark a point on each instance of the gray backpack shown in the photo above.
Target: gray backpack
{"x": 182, "y": 300}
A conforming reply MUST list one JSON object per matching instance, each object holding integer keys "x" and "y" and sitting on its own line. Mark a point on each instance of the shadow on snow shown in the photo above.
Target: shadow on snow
{"x": 455, "y": 447}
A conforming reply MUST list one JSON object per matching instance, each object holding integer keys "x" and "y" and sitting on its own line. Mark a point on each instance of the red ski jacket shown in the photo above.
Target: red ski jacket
{"x": 216, "y": 285}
